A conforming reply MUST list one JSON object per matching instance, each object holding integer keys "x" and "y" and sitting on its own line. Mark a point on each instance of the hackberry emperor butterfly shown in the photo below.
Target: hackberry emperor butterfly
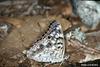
{"x": 51, "y": 47}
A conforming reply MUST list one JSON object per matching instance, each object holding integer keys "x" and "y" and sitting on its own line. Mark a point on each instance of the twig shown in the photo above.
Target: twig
{"x": 83, "y": 47}
{"x": 96, "y": 33}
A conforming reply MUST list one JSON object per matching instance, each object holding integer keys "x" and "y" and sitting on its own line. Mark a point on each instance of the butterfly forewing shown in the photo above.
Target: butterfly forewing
{"x": 51, "y": 47}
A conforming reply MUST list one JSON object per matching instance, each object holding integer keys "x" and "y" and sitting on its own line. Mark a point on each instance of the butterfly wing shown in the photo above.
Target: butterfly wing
{"x": 51, "y": 47}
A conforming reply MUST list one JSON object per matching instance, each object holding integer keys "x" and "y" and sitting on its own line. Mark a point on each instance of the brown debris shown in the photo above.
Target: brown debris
{"x": 16, "y": 22}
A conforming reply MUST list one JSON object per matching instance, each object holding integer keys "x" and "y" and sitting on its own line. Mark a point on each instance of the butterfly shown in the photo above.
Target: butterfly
{"x": 51, "y": 47}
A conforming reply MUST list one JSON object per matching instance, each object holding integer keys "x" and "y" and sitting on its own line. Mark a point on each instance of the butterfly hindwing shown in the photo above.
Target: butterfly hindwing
{"x": 51, "y": 47}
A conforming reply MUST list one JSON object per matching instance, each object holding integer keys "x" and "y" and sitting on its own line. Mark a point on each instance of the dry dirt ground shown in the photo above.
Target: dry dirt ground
{"x": 20, "y": 38}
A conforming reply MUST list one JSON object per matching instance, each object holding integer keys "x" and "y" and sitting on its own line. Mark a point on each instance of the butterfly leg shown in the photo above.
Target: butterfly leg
{"x": 65, "y": 58}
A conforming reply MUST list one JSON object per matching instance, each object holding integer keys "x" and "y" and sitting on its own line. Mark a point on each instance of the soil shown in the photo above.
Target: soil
{"x": 20, "y": 38}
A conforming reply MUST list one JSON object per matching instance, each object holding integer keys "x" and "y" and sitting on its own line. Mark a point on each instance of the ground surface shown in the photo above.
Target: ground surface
{"x": 28, "y": 29}
{"x": 19, "y": 39}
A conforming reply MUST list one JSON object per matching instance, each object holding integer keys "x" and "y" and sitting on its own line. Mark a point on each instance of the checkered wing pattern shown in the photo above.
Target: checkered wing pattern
{"x": 51, "y": 47}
